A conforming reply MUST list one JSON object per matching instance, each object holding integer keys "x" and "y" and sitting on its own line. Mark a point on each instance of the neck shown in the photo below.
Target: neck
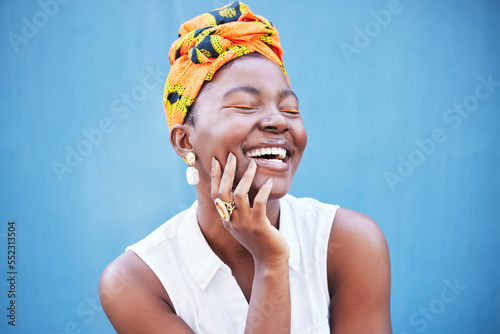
{"x": 224, "y": 245}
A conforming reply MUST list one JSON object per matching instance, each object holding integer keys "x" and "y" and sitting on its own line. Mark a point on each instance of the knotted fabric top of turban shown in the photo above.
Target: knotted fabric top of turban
{"x": 206, "y": 43}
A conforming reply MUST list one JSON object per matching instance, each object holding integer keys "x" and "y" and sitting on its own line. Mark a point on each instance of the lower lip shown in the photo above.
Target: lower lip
{"x": 279, "y": 166}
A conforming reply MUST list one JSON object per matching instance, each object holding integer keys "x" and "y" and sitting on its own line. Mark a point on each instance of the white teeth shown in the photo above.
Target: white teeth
{"x": 280, "y": 152}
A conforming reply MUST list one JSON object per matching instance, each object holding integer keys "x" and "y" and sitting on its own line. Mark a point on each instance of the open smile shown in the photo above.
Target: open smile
{"x": 272, "y": 157}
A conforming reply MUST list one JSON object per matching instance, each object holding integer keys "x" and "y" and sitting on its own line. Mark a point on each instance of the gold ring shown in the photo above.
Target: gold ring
{"x": 224, "y": 209}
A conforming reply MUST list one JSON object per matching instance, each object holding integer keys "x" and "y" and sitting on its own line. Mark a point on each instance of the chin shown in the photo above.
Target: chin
{"x": 277, "y": 195}
{"x": 279, "y": 190}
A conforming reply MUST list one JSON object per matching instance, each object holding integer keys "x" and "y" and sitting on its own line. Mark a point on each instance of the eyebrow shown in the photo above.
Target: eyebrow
{"x": 245, "y": 89}
{"x": 255, "y": 91}
{"x": 287, "y": 93}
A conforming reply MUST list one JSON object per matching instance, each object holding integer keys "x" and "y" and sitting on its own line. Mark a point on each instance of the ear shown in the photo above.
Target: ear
{"x": 180, "y": 139}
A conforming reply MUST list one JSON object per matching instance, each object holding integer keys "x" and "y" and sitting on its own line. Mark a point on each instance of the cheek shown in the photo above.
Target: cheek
{"x": 303, "y": 141}
{"x": 300, "y": 136}
{"x": 235, "y": 134}
{"x": 219, "y": 137}
{"x": 232, "y": 129}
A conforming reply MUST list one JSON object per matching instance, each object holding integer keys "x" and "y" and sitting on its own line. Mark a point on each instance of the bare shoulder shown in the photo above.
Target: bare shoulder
{"x": 134, "y": 299}
{"x": 128, "y": 272}
{"x": 359, "y": 275}
{"x": 354, "y": 231}
{"x": 355, "y": 241}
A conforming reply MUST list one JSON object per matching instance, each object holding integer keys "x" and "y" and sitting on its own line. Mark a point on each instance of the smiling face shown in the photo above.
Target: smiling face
{"x": 250, "y": 109}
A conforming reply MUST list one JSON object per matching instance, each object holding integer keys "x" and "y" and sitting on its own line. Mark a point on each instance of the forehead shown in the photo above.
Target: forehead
{"x": 258, "y": 72}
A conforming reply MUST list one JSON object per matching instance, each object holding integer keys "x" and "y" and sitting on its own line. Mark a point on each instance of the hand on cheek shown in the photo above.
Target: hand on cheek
{"x": 248, "y": 224}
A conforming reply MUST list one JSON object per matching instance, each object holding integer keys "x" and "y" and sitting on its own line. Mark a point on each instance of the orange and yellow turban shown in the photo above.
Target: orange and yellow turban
{"x": 206, "y": 43}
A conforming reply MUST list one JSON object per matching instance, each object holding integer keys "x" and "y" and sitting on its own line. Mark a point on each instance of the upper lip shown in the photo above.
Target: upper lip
{"x": 281, "y": 148}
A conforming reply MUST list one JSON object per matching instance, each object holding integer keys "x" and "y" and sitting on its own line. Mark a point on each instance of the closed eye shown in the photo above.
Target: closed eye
{"x": 290, "y": 111}
{"x": 239, "y": 106}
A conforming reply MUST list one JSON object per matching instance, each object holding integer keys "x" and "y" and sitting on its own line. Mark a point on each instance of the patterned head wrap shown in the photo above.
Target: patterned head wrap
{"x": 206, "y": 43}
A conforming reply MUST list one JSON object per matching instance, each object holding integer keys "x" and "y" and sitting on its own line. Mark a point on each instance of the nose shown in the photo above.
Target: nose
{"x": 274, "y": 121}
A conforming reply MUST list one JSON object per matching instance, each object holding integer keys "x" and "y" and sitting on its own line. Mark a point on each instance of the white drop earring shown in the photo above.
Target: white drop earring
{"x": 192, "y": 175}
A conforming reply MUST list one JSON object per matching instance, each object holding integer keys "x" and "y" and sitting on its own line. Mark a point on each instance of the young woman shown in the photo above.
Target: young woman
{"x": 246, "y": 257}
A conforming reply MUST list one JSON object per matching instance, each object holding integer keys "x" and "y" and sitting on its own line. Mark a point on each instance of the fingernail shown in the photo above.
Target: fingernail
{"x": 214, "y": 162}
{"x": 269, "y": 181}
{"x": 230, "y": 157}
{"x": 252, "y": 164}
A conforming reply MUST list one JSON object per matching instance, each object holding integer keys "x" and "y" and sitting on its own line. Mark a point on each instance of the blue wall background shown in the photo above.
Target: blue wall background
{"x": 377, "y": 97}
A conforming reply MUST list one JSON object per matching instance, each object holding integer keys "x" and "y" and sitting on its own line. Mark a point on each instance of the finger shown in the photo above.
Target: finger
{"x": 215, "y": 175}
{"x": 240, "y": 194}
{"x": 227, "y": 225}
{"x": 260, "y": 200}
{"x": 226, "y": 182}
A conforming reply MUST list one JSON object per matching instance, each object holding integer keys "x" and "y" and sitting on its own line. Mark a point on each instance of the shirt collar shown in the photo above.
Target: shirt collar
{"x": 203, "y": 263}
{"x": 199, "y": 258}
{"x": 289, "y": 231}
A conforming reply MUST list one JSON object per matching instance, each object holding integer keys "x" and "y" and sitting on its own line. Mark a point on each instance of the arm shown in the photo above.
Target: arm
{"x": 359, "y": 276}
{"x": 134, "y": 299}
{"x": 270, "y": 306}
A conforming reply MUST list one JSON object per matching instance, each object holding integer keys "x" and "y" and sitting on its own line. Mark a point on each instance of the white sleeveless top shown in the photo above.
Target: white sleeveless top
{"x": 206, "y": 295}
